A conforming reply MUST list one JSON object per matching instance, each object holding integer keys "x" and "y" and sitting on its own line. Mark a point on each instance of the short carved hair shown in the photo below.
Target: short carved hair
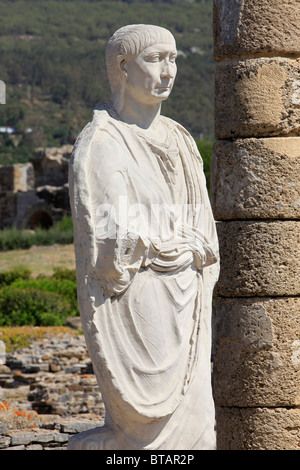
{"x": 128, "y": 42}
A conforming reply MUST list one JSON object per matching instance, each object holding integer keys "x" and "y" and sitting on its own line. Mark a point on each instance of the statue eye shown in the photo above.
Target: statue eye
{"x": 153, "y": 58}
{"x": 158, "y": 57}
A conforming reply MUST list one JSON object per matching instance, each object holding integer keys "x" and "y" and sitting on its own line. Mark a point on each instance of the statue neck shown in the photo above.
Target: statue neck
{"x": 131, "y": 111}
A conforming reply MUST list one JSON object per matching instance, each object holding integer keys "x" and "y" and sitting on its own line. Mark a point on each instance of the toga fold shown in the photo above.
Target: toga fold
{"x": 147, "y": 262}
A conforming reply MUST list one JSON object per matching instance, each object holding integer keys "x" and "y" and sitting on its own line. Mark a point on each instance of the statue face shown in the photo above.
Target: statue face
{"x": 151, "y": 75}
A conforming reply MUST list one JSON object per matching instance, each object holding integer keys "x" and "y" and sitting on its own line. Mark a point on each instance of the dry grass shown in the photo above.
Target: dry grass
{"x": 39, "y": 259}
{"x": 16, "y": 337}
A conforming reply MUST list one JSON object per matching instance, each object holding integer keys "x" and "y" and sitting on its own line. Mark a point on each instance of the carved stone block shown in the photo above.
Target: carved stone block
{"x": 257, "y": 352}
{"x": 258, "y": 428}
{"x": 251, "y": 27}
{"x": 257, "y": 98}
{"x": 256, "y": 178}
{"x": 259, "y": 258}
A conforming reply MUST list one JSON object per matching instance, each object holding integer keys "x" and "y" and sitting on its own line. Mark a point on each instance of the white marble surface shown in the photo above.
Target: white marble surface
{"x": 146, "y": 256}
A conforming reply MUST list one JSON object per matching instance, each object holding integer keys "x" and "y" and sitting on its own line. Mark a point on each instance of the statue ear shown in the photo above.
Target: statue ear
{"x": 122, "y": 64}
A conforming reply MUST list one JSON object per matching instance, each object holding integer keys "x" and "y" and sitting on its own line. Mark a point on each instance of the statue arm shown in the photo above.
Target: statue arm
{"x": 120, "y": 250}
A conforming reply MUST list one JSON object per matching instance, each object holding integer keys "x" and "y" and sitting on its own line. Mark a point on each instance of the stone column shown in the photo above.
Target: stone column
{"x": 256, "y": 201}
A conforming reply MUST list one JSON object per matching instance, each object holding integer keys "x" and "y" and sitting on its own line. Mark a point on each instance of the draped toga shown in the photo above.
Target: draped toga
{"x": 147, "y": 261}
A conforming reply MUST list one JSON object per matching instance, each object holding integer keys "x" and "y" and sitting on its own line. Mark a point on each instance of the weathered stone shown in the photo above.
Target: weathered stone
{"x": 73, "y": 427}
{"x": 4, "y": 441}
{"x": 13, "y": 420}
{"x": 252, "y": 27}
{"x": 55, "y": 448}
{"x": 64, "y": 384}
{"x": 255, "y": 192}
{"x": 51, "y": 165}
{"x": 33, "y": 368}
{"x": 264, "y": 98}
{"x": 16, "y": 390}
{"x": 45, "y": 437}
{"x": 21, "y": 437}
{"x": 7, "y": 208}
{"x": 55, "y": 196}
{"x": 18, "y": 177}
{"x": 54, "y": 367}
{"x": 74, "y": 322}
{"x": 258, "y": 428}
{"x": 256, "y": 352}
{"x": 39, "y": 393}
{"x": 21, "y": 447}
{"x": 24, "y": 378}
{"x": 256, "y": 178}
{"x": 70, "y": 394}
{"x": 31, "y": 211}
{"x": 37, "y": 436}
{"x": 35, "y": 193}
{"x": 34, "y": 447}
{"x": 259, "y": 258}
{"x": 3, "y": 428}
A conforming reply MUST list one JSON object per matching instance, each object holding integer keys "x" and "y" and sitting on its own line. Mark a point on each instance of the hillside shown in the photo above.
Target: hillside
{"x": 53, "y": 64}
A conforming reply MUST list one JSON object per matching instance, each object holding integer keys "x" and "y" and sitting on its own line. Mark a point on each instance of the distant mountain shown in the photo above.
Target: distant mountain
{"x": 53, "y": 65}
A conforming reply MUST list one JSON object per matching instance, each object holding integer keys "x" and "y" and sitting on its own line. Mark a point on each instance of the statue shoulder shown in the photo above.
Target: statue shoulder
{"x": 175, "y": 126}
{"x": 98, "y": 140}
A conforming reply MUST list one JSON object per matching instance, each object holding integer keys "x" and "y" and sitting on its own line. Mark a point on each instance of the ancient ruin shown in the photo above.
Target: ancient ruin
{"x": 35, "y": 194}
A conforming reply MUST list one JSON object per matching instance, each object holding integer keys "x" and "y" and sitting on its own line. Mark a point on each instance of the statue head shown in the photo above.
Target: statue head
{"x": 125, "y": 47}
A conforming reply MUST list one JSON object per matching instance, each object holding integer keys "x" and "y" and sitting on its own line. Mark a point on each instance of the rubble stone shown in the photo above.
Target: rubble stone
{"x": 40, "y": 406}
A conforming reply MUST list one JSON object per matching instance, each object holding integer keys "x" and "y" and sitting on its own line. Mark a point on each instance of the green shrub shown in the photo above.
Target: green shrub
{"x": 65, "y": 287}
{"x": 64, "y": 273}
{"x": 32, "y": 307}
{"x": 8, "y": 277}
{"x": 61, "y": 233}
{"x": 53, "y": 235}
{"x": 11, "y": 239}
{"x": 65, "y": 224}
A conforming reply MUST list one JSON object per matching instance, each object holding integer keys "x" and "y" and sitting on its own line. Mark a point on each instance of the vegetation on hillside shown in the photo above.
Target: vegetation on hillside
{"x": 42, "y": 301}
{"x": 53, "y": 64}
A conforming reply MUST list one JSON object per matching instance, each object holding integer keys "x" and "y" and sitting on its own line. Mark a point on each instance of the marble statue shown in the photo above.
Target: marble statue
{"x": 146, "y": 256}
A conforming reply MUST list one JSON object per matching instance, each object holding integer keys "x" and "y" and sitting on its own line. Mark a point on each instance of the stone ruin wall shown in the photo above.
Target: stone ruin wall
{"x": 35, "y": 193}
{"x": 256, "y": 201}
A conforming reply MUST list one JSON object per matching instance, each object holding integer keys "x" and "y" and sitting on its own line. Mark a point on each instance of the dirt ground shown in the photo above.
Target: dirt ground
{"x": 39, "y": 259}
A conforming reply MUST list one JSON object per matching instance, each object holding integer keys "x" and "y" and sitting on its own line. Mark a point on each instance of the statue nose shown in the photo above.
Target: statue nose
{"x": 167, "y": 71}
